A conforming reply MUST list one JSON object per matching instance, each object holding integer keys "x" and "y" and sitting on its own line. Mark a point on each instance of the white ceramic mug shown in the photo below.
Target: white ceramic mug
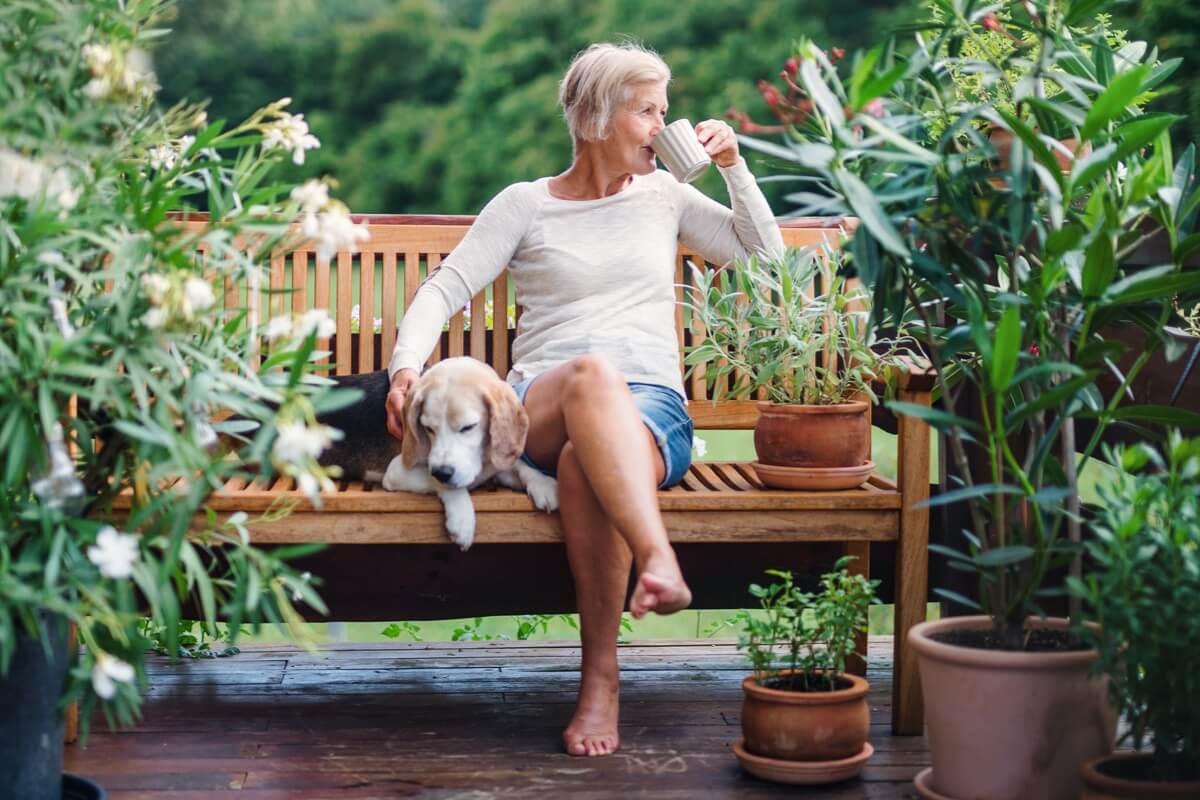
{"x": 680, "y": 151}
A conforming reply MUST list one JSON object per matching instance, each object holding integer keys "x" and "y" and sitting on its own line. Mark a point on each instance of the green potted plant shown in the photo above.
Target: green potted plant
{"x": 794, "y": 330}
{"x": 116, "y": 365}
{"x": 1143, "y": 589}
{"x": 1016, "y": 283}
{"x": 804, "y": 718}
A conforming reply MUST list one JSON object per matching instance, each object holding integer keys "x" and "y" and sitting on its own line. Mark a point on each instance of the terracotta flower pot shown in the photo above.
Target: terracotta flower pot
{"x": 813, "y": 447}
{"x": 805, "y": 726}
{"x": 1006, "y": 725}
{"x": 1002, "y": 141}
{"x": 1100, "y": 784}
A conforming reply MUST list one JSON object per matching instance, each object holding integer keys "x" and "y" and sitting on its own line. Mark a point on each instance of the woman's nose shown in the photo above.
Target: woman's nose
{"x": 656, "y": 129}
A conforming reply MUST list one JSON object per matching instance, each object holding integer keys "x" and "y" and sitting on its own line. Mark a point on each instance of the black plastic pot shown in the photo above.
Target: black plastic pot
{"x": 77, "y": 788}
{"x": 31, "y": 728}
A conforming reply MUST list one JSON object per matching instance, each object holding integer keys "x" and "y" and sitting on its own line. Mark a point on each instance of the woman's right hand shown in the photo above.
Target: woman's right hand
{"x": 402, "y": 382}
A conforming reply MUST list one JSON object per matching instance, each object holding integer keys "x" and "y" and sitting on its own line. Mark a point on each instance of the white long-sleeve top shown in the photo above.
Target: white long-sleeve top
{"x": 592, "y": 276}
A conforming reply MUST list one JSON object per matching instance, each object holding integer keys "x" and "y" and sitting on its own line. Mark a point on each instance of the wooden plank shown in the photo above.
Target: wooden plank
{"x": 432, "y": 262}
{"x": 345, "y": 271}
{"x": 388, "y": 339}
{"x": 912, "y": 564}
{"x": 428, "y": 527}
{"x": 321, "y": 300}
{"x": 500, "y": 355}
{"x": 479, "y": 327}
{"x": 278, "y": 285}
{"x": 299, "y": 281}
{"x": 412, "y": 275}
{"x": 366, "y": 311}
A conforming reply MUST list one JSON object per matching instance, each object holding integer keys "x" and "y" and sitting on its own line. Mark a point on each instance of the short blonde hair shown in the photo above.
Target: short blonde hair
{"x": 599, "y": 82}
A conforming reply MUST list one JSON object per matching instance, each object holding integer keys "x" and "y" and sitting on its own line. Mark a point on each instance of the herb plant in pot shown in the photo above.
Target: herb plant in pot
{"x": 1015, "y": 283}
{"x": 794, "y": 330}
{"x": 804, "y": 718}
{"x": 1143, "y": 588}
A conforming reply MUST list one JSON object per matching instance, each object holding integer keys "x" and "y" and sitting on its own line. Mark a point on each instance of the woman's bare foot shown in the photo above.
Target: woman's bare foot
{"x": 593, "y": 729}
{"x": 660, "y": 588}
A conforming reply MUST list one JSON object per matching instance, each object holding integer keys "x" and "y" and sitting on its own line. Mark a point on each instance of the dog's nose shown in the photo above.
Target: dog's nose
{"x": 443, "y": 474}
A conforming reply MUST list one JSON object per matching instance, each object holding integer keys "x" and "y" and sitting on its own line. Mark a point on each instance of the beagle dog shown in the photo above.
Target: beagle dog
{"x": 463, "y": 426}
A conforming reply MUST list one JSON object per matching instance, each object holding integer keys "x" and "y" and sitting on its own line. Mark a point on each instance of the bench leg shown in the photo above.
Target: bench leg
{"x": 856, "y": 664}
{"x": 71, "y": 723}
{"x": 912, "y": 568}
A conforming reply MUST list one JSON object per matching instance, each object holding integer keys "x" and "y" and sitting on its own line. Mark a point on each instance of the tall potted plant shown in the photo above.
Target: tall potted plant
{"x": 115, "y": 365}
{"x": 1143, "y": 588}
{"x": 794, "y": 330}
{"x": 1015, "y": 273}
{"x": 804, "y": 718}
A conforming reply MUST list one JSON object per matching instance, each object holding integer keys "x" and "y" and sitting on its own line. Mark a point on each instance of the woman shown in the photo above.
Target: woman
{"x": 596, "y": 361}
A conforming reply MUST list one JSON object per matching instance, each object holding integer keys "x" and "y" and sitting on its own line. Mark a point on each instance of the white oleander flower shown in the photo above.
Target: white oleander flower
{"x": 185, "y": 144}
{"x": 311, "y": 486}
{"x": 205, "y": 434}
{"x": 333, "y": 230}
{"x": 107, "y": 672}
{"x": 699, "y": 446}
{"x": 97, "y": 89}
{"x": 290, "y": 132}
{"x": 29, "y": 179}
{"x": 316, "y": 320}
{"x": 162, "y": 157}
{"x": 296, "y": 441}
{"x": 201, "y": 120}
{"x": 156, "y": 286}
{"x": 155, "y": 318}
{"x": 312, "y": 195}
{"x": 137, "y": 74}
{"x": 59, "y": 310}
{"x": 278, "y": 328}
{"x": 99, "y": 57}
{"x": 197, "y": 296}
{"x": 60, "y": 484}
{"x": 114, "y": 553}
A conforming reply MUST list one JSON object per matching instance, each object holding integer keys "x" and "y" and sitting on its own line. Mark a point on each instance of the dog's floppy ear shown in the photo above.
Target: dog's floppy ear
{"x": 508, "y": 424}
{"x": 414, "y": 448}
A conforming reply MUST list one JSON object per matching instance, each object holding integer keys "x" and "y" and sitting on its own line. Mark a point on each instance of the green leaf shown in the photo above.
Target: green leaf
{"x": 866, "y": 207}
{"x": 1099, "y": 266}
{"x": 955, "y": 597}
{"x": 821, "y": 94}
{"x": 1160, "y": 283}
{"x": 1141, "y": 131}
{"x": 936, "y": 417}
{"x": 1162, "y": 415}
{"x": 1114, "y": 101}
{"x": 969, "y": 492}
{"x": 1006, "y": 348}
{"x": 1036, "y": 146}
{"x": 1003, "y": 556}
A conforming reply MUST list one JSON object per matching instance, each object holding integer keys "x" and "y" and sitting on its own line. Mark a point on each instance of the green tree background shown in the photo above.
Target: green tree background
{"x": 433, "y": 106}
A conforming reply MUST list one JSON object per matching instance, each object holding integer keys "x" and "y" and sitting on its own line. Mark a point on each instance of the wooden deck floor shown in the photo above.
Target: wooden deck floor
{"x": 455, "y": 720}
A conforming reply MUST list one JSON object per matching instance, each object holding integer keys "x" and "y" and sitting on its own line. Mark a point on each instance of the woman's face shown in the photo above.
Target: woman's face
{"x": 627, "y": 147}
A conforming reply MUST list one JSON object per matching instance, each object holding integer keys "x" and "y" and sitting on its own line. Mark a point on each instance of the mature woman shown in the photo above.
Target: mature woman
{"x": 595, "y": 360}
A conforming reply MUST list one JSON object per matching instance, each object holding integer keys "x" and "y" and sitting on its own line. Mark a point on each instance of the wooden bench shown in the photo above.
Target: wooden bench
{"x": 717, "y": 502}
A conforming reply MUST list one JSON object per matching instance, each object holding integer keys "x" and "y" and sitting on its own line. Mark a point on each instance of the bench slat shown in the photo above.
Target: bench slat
{"x": 388, "y": 340}
{"x": 529, "y": 527}
{"x": 366, "y": 311}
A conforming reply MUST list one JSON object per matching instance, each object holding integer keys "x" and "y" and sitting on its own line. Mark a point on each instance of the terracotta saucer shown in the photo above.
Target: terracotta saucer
{"x": 807, "y": 772}
{"x": 924, "y": 784}
{"x": 813, "y": 478}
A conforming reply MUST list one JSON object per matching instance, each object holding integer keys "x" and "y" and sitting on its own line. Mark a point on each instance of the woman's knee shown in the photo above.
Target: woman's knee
{"x": 589, "y": 374}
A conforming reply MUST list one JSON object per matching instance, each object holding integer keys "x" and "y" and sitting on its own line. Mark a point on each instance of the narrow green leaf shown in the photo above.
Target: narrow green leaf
{"x": 1099, "y": 266}
{"x": 1114, "y": 100}
{"x": 1006, "y": 348}
{"x": 1003, "y": 556}
{"x": 866, "y": 207}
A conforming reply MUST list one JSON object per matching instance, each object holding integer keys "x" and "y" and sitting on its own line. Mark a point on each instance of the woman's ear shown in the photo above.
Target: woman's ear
{"x": 414, "y": 447}
{"x": 508, "y": 425}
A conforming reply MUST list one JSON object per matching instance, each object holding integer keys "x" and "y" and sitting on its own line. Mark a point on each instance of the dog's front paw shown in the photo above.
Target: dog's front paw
{"x": 543, "y": 491}
{"x": 460, "y": 518}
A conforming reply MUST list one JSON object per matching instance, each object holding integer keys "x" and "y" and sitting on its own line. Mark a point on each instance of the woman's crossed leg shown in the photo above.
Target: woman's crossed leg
{"x": 584, "y": 420}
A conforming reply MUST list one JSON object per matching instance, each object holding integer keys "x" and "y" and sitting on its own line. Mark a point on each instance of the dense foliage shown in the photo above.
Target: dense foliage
{"x": 118, "y": 369}
{"x": 1143, "y": 589}
{"x": 433, "y": 107}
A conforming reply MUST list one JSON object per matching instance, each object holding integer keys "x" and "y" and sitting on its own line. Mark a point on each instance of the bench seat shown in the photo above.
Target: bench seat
{"x": 718, "y": 501}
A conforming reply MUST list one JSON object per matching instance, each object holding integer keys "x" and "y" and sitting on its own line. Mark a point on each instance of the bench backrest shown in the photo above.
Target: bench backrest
{"x": 402, "y": 250}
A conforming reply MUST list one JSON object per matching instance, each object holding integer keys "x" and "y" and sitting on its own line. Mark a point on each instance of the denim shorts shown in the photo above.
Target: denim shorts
{"x": 663, "y": 412}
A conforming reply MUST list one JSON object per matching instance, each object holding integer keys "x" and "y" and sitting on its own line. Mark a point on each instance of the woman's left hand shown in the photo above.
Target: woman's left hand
{"x": 719, "y": 141}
